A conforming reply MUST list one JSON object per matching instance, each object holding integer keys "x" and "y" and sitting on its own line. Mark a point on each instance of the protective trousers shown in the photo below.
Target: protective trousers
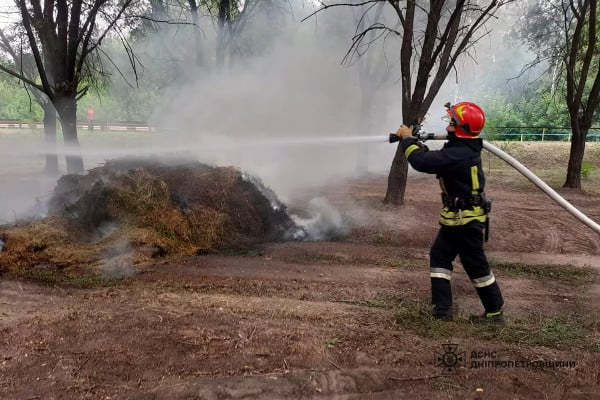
{"x": 466, "y": 241}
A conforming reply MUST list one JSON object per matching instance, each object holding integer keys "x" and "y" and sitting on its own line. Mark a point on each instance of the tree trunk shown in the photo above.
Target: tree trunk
{"x": 51, "y": 168}
{"x": 197, "y": 32}
{"x": 223, "y": 20}
{"x": 397, "y": 179}
{"x": 576, "y": 156}
{"x": 66, "y": 106}
{"x": 399, "y": 171}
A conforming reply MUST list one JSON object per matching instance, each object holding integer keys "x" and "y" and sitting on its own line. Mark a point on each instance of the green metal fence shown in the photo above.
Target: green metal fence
{"x": 536, "y": 133}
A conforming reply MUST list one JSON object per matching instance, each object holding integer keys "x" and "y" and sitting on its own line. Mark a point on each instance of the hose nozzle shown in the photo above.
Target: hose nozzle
{"x": 422, "y": 136}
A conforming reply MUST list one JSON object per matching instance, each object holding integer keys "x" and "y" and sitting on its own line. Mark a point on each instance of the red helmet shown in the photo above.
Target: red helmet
{"x": 469, "y": 118}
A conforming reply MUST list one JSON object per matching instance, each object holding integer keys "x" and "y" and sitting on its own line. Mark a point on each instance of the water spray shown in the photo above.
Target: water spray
{"x": 331, "y": 140}
{"x": 195, "y": 148}
{"x": 424, "y": 136}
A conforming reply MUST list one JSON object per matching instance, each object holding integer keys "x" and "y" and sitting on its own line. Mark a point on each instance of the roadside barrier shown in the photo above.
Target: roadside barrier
{"x": 84, "y": 125}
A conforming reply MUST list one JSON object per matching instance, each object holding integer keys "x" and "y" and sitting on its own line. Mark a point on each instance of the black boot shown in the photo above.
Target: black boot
{"x": 443, "y": 315}
{"x": 496, "y": 317}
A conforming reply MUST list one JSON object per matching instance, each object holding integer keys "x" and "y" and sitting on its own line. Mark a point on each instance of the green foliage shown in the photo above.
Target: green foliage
{"x": 119, "y": 104}
{"x": 415, "y": 315}
{"x": 52, "y": 277}
{"x": 556, "y": 331}
{"x": 535, "y": 106}
{"x": 544, "y": 33}
{"x": 380, "y": 239}
{"x": 131, "y": 104}
{"x": 499, "y": 112}
{"x": 586, "y": 169}
{"x": 562, "y": 273}
{"x": 560, "y": 330}
{"x": 16, "y": 103}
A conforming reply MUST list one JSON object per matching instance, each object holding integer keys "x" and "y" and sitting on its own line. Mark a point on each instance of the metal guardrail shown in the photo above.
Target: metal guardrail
{"x": 537, "y": 133}
{"x": 529, "y": 136}
{"x": 523, "y": 133}
{"x": 84, "y": 125}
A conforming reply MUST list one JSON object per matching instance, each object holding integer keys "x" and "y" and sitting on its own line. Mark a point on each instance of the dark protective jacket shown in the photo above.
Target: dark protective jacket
{"x": 458, "y": 167}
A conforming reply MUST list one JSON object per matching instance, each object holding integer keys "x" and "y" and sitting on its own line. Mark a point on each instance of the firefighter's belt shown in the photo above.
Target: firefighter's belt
{"x": 456, "y": 203}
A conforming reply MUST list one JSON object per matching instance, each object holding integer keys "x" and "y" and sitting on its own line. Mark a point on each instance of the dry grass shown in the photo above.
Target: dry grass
{"x": 548, "y": 160}
{"x": 145, "y": 209}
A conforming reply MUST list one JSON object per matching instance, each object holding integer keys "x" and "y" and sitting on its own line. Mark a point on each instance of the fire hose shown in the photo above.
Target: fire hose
{"x": 424, "y": 136}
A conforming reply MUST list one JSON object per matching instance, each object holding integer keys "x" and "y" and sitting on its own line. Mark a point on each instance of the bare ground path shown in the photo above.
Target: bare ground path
{"x": 276, "y": 326}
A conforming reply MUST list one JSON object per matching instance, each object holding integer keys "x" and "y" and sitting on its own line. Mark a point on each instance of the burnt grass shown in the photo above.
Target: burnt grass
{"x": 147, "y": 208}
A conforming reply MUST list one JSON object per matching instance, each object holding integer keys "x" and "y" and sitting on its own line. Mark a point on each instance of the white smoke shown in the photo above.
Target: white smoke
{"x": 117, "y": 264}
{"x": 324, "y": 221}
{"x": 292, "y": 86}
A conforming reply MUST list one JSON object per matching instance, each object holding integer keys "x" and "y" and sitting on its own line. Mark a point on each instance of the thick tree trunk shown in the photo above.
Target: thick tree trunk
{"x": 576, "y": 156}
{"x": 51, "y": 168}
{"x": 66, "y": 106}
{"x": 399, "y": 171}
{"x": 397, "y": 179}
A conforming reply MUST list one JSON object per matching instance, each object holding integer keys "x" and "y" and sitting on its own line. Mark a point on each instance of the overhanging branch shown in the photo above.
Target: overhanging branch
{"x": 357, "y": 40}
{"x": 326, "y": 6}
{"x": 22, "y": 78}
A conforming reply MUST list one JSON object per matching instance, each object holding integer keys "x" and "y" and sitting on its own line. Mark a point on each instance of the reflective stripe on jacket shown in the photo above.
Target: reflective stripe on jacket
{"x": 458, "y": 168}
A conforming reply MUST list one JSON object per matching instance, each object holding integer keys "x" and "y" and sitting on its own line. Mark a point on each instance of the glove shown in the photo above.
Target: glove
{"x": 412, "y": 141}
{"x": 404, "y": 131}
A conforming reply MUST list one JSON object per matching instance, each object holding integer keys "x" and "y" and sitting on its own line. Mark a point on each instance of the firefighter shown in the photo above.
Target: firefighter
{"x": 464, "y": 215}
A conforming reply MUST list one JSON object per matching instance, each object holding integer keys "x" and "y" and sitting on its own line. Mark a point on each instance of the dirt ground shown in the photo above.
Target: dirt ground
{"x": 338, "y": 320}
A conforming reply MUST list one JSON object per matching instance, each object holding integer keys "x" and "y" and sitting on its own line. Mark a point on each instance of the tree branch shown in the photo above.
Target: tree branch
{"x": 87, "y": 46}
{"x": 357, "y": 39}
{"x": 162, "y": 21}
{"x": 35, "y": 50}
{"x": 326, "y": 6}
{"x": 21, "y": 77}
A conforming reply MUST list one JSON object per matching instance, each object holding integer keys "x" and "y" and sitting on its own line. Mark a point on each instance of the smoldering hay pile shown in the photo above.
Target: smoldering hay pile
{"x": 135, "y": 210}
